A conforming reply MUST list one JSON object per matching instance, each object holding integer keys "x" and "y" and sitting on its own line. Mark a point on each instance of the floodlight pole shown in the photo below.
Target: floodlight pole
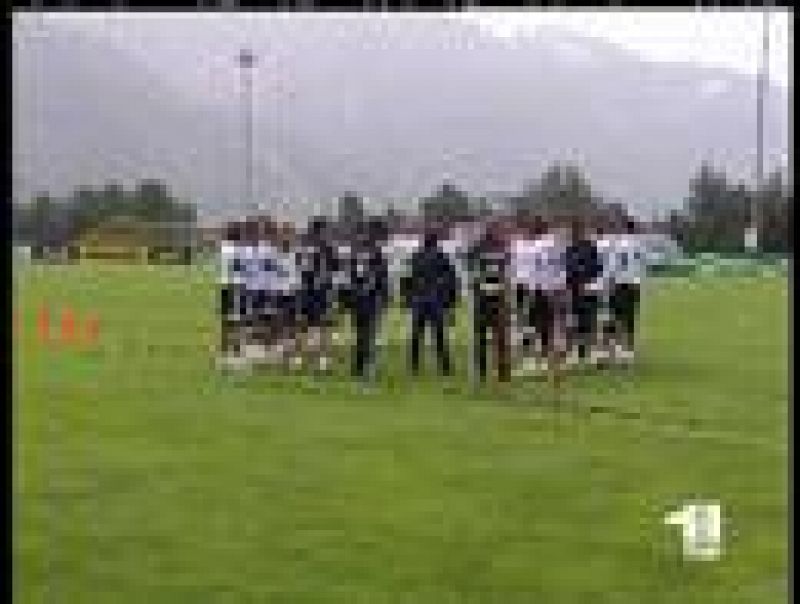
{"x": 246, "y": 61}
{"x": 751, "y": 236}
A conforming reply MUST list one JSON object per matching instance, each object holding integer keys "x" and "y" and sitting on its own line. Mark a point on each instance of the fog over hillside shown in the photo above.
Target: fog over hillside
{"x": 389, "y": 109}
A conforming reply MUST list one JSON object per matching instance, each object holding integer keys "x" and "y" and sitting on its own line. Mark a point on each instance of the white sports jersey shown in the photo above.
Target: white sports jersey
{"x": 451, "y": 247}
{"x": 624, "y": 260}
{"x": 398, "y": 252}
{"x": 228, "y": 273}
{"x": 287, "y": 278}
{"x": 605, "y": 251}
{"x": 629, "y": 260}
{"x": 526, "y": 263}
{"x": 341, "y": 278}
{"x": 262, "y": 267}
{"x": 539, "y": 264}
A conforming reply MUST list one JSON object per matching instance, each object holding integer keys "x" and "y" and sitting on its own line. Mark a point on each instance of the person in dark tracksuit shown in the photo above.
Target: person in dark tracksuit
{"x": 367, "y": 298}
{"x": 430, "y": 290}
{"x": 583, "y": 266}
{"x": 317, "y": 263}
{"x": 489, "y": 264}
{"x": 285, "y": 298}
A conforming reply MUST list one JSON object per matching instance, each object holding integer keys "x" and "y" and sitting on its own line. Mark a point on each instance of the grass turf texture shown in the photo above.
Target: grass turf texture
{"x": 143, "y": 475}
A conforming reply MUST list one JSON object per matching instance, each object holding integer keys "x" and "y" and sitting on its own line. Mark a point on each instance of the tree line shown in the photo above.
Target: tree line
{"x": 560, "y": 192}
{"x": 713, "y": 217}
{"x": 717, "y": 211}
{"x": 49, "y": 220}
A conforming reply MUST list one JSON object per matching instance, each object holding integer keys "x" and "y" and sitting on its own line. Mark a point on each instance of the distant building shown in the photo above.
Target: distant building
{"x": 132, "y": 240}
{"x": 56, "y": 240}
{"x": 23, "y": 253}
{"x": 209, "y": 236}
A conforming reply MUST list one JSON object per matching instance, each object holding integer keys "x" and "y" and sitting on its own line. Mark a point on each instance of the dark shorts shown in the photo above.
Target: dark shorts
{"x": 430, "y": 309}
{"x": 315, "y": 306}
{"x": 546, "y": 314}
{"x": 489, "y": 308}
{"x": 234, "y": 303}
{"x": 584, "y": 311}
{"x": 625, "y": 304}
{"x": 286, "y": 308}
{"x": 343, "y": 298}
{"x": 586, "y": 300}
{"x": 239, "y": 305}
{"x": 540, "y": 312}
{"x": 228, "y": 303}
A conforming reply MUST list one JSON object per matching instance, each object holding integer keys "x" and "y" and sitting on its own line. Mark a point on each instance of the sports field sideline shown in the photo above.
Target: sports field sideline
{"x": 144, "y": 475}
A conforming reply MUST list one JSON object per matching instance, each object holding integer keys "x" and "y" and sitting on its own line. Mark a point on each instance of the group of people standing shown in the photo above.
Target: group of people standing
{"x": 541, "y": 295}
{"x": 282, "y": 293}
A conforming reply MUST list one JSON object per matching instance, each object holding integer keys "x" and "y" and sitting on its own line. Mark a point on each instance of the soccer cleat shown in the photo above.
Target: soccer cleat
{"x": 272, "y": 355}
{"x": 531, "y": 365}
{"x": 232, "y": 362}
{"x": 255, "y": 352}
{"x": 572, "y": 360}
{"x": 598, "y": 356}
{"x": 623, "y": 355}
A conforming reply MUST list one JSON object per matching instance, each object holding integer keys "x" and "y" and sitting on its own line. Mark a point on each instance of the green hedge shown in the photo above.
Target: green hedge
{"x": 716, "y": 264}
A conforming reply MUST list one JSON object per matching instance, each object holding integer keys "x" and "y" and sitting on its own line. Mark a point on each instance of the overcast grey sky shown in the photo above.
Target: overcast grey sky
{"x": 638, "y": 98}
{"x": 729, "y": 39}
{"x": 725, "y": 39}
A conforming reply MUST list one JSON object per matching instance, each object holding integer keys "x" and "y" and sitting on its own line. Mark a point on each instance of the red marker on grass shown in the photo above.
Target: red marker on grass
{"x": 92, "y": 329}
{"x": 43, "y": 326}
{"x": 67, "y": 326}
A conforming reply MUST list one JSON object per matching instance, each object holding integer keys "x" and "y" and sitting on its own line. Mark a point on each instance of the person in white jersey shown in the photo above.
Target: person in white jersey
{"x": 232, "y": 299}
{"x": 539, "y": 267}
{"x": 245, "y": 284}
{"x": 528, "y": 267}
{"x": 602, "y": 287}
{"x": 629, "y": 261}
{"x": 553, "y": 283}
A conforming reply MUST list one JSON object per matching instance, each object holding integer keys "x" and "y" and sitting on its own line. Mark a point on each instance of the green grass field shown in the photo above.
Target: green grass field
{"x": 143, "y": 475}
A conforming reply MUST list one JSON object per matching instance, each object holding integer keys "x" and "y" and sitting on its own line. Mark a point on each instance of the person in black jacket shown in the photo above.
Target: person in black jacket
{"x": 583, "y": 266}
{"x": 368, "y": 296}
{"x": 430, "y": 290}
{"x": 489, "y": 262}
{"x": 318, "y": 264}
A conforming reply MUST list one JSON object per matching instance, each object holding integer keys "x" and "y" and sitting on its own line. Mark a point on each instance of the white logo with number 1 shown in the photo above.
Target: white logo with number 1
{"x": 702, "y": 529}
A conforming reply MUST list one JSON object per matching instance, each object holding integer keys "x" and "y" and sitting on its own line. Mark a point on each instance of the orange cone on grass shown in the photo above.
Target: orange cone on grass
{"x": 43, "y": 326}
{"x": 67, "y": 326}
{"x": 92, "y": 329}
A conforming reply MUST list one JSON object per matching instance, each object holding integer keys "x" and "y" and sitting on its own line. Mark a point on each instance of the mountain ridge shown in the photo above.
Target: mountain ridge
{"x": 391, "y": 123}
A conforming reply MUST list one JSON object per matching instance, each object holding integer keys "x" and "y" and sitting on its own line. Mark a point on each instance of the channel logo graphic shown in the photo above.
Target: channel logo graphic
{"x": 702, "y": 529}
